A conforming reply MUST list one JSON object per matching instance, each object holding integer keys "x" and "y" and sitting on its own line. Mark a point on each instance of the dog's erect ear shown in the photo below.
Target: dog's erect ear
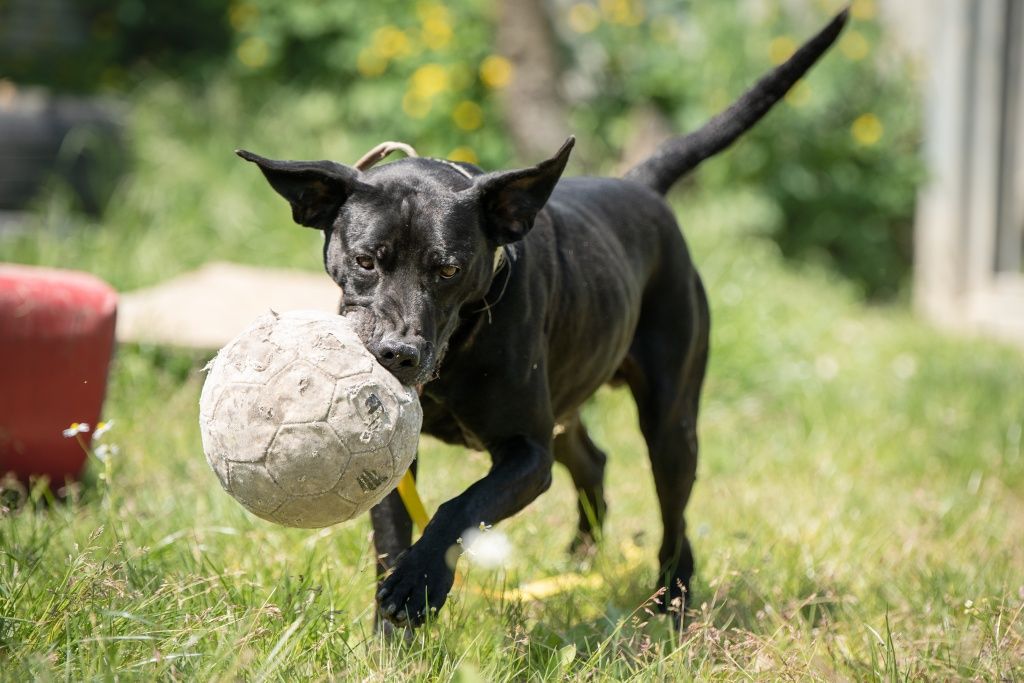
{"x": 510, "y": 200}
{"x": 315, "y": 189}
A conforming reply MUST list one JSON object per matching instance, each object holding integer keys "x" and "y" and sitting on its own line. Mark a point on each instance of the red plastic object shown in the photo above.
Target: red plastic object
{"x": 56, "y": 340}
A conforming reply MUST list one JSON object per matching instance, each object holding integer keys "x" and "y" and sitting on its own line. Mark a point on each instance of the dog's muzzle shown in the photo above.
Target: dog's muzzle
{"x": 410, "y": 359}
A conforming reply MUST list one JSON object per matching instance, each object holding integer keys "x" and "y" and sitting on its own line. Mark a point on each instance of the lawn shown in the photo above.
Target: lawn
{"x": 858, "y": 513}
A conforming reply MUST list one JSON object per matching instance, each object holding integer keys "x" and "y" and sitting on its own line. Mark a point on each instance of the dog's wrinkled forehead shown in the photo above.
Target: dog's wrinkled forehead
{"x": 423, "y": 176}
{"x": 417, "y": 200}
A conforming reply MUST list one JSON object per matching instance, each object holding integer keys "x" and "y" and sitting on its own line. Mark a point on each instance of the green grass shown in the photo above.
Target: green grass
{"x": 858, "y": 514}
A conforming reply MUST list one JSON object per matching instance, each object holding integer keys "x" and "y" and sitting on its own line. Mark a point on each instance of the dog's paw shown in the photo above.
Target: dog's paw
{"x": 583, "y": 548}
{"x": 416, "y": 588}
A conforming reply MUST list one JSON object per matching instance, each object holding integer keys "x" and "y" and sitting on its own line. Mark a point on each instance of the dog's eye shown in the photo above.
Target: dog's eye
{"x": 365, "y": 262}
{"x": 448, "y": 272}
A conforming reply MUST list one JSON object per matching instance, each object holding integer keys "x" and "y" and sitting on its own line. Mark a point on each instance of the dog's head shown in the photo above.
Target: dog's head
{"x": 411, "y": 243}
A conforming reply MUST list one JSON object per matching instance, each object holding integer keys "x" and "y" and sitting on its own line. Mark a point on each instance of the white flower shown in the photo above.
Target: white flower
{"x": 75, "y": 429}
{"x": 104, "y": 451}
{"x": 486, "y": 547}
{"x": 102, "y": 428}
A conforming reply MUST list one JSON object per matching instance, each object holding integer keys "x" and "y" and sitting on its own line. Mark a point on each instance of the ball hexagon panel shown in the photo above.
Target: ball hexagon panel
{"x": 406, "y": 438}
{"x": 368, "y": 478}
{"x": 310, "y": 512}
{"x": 307, "y": 459}
{"x": 251, "y": 485}
{"x": 300, "y": 393}
{"x": 363, "y": 413}
{"x": 209, "y": 396}
{"x": 243, "y": 423}
{"x": 403, "y": 395}
{"x": 339, "y": 353}
{"x": 218, "y": 464}
{"x": 252, "y": 359}
{"x": 400, "y": 467}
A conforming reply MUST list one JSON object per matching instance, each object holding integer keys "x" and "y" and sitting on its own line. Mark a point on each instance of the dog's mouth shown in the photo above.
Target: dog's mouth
{"x": 363, "y": 323}
{"x": 413, "y": 361}
{"x": 413, "y": 376}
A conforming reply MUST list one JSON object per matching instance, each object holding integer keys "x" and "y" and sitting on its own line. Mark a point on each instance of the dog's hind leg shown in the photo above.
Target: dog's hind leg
{"x": 585, "y": 462}
{"x": 665, "y": 371}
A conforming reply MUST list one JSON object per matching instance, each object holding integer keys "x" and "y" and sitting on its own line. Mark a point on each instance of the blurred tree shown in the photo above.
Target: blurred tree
{"x": 534, "y": 109}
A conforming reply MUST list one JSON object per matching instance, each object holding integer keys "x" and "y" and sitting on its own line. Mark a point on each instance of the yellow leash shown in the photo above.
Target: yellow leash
{"x": 413, "y": 503}
{"x": 534, "y": 590}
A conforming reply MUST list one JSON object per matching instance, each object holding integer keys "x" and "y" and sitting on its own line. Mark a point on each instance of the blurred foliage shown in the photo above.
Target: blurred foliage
{"x": 90, "y": 45}
{"x": 837, "y": 160}
{"x": 422, "y": 72}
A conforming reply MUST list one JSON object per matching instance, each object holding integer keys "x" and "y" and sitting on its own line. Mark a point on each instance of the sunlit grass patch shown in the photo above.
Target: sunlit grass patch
{"x": 858, "y": 510}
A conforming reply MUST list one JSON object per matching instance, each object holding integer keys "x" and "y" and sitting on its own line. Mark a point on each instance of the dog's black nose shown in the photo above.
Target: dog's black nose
{"x": 397, "y": 355}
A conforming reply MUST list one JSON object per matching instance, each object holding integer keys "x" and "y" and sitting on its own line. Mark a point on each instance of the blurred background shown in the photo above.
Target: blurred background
{"x": 860, "y": 474}
{"x": 120, "y": 115}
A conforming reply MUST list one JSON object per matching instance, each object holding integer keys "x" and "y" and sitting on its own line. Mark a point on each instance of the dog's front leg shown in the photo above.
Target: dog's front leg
{"x": 423, "y": 576}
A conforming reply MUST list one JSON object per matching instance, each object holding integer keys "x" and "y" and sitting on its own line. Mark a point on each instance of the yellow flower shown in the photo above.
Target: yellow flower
{"x": 391, "y": 41}
{"x": 253, "y": 52}
{"x": 370, "y": 63}
{"x": 624, "y": 12}
{"x": 867, "y": 130}
{"x": 415, "y": 105}
{"x": 496, "y": 71}
{"x": 429, "y": 80}
{"x": 799, "y": 94}
{"x": 465, "y": 154}
{"x": 781, "y": 49}
{"x": 854, "y": 45}
{"x": 242, "y": 15}
{"x": 583, "y": 17}
{"x": 436, "y": 33}
{"x": 431, "y": 10}
{"x": 863, "y": 9}
{"x": 468, "y": 115}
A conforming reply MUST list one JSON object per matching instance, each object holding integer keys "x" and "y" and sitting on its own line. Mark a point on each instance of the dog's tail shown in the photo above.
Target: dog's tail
{"x": 678, "y": 156}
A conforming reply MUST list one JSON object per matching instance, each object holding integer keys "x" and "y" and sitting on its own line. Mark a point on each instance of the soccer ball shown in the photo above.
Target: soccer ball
{"x": 301, "y": 424}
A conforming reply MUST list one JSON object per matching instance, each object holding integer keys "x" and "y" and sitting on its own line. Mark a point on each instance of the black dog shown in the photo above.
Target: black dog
{"x": 594, "y": 285}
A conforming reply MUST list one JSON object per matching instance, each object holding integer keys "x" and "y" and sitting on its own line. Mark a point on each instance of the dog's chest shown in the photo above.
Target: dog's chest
{"x": 441, "y": 423}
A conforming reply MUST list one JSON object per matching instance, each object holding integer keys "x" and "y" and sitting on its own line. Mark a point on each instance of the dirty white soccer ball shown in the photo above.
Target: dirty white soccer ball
{"x": 302, "y": 425}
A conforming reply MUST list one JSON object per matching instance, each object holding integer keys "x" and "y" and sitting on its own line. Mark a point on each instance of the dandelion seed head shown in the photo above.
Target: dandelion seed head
{"x": 486, "y": 547}
{"x": 105, "y": 451}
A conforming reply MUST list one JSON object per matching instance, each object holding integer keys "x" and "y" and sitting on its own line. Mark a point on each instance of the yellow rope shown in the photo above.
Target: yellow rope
{"x": 413, "y": 503}
{"x": 534, "y": 590}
